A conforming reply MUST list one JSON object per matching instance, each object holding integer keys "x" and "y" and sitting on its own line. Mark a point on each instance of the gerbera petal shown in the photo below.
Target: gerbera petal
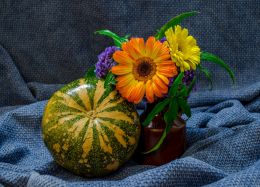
{"x": 185, "y": 33}
{"x": 126, "y": 90}
{"x": 167, "y": 71}
{"x": 156, "y": 90}
{"x": 165, "y": 63}
{"x": 192, "y": 65}
{"x": 121, "y": 70}
{"x": 186, "y": 65}
{"x": 168, "y": 68}
{"x": 137, "y": 93}
{"x": 183, "y": 48}
{"x": 149, "y": 92}
{"x": 163, "y": 78}
{"x": 149, "y": 45}
{"x": 164, "y": 50}
{"x": 162, "y": 58}
{"x": 142, "y": 46}
{"x": 140, "y": 93}
{"x": 160, "y": 84}
{"x": 122, "y": 57}
{"x": 130, "y": 48}
{"x": 156, "y": 48}
{"x": 124, "y": 80}
{"x": 138, "y": 44}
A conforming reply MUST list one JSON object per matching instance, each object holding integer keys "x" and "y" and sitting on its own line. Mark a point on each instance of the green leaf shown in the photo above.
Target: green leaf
{"x": 214, "y": 59}
{"x": 109, "y": 83}
{"x": 159, "y": 143}
{"x": 207, "y": 73}
{"x": 176, "y": 83}
{"x": 183, "y": 104}
{"x": 172, "y": 112}
{"x": 191, "y": 86}
{"x": 110, "y": 80}
{"x": 91, "y": 72}
{"x": 157, "y": 109}
{"x": 117, "y": 39}
{"x": 174, "y": 21}
{"x": 183, "y": 92}
{"x": 126, "y": 37}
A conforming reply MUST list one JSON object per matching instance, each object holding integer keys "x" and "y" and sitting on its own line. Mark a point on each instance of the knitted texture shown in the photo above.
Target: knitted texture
{"x": 49, "y": 43}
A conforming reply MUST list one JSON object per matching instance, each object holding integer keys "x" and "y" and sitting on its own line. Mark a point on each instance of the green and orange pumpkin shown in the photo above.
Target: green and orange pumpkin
{"x": 90, "y": 129}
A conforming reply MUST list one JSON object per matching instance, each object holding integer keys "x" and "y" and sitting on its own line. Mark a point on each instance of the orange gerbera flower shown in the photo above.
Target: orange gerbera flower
{"x": 143, "y": 69}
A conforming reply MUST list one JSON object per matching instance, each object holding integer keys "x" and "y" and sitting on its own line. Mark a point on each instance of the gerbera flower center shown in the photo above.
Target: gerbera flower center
{"x": 144, "y": 69}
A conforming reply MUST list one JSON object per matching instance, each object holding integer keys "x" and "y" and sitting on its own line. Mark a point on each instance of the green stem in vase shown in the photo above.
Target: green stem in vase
{"x": 175, "y": 103}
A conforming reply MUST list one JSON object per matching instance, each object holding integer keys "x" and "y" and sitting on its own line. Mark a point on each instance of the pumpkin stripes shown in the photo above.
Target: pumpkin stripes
{"x": 88, "y": 139}
{"x": 83, "y": 95}
{"x": 78, "y": 126}
{"x": 69, "y": 101}
{"x": 119, "y": 133}
{"x": 90, "y": 124}
{"x": 119, "y": 115}
{"x": 98, "y": 93}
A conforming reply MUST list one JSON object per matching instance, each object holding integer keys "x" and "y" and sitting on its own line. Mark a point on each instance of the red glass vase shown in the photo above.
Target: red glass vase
{"x": 173, "y": 146}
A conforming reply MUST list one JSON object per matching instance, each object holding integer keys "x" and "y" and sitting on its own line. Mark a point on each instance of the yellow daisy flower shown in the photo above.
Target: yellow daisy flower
{"x": 183, "y": 48}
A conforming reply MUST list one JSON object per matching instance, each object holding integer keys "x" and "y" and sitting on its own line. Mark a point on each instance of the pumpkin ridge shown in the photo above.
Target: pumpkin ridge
{"x": 98, "y": 93}
{"x": 109, "y": 105}
{"x": 119, "y": 115}
{"x": 77, "y": 127}
{"x": 107, "y": 99}
{"x": 118, "y": 132}
{"x": 88, "y": 139}
{"x": 84, "y": 97}
{"x": 69, "y": 101}
{"x": 104, "y": 145}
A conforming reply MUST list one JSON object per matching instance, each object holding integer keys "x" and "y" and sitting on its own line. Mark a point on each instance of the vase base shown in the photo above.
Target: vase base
{"x": 172, "y": 148}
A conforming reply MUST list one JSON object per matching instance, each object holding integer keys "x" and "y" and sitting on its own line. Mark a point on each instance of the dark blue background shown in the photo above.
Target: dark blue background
{"x": 53, "y": 41}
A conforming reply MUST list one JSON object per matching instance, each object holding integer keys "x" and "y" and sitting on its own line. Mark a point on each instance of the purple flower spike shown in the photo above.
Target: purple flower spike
{"x": 188, "y": 77}
{"x": 105, "y": 61}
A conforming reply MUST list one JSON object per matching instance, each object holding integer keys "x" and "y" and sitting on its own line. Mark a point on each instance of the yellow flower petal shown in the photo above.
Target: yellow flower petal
{"x": 183, "y": 48}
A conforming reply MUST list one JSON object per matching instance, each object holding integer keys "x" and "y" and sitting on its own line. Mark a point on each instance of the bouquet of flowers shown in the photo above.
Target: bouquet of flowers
{"x": 160, "y": 70}
{"x": 91, "y": 125}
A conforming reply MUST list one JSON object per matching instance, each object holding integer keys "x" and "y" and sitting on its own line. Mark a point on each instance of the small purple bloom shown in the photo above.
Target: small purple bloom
{"x": 187, "y": 79}
{"x": 105, "y": 61}
{"x": 163, "y": 39}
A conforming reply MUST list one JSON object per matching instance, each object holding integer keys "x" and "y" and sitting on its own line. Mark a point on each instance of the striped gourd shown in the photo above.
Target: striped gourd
{"x": 90, "y": 130}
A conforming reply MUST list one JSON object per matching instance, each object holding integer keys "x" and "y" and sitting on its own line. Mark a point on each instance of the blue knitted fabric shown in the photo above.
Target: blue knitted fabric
{"x": 45, "y": 44}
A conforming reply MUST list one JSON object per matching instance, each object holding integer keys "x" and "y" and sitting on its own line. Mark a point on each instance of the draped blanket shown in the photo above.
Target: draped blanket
{"x": 42, "y": 49}
{"x": 223, "y": 141}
